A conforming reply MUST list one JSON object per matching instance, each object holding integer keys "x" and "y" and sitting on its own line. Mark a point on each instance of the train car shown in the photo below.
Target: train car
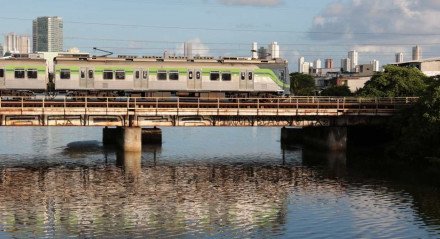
{"x": 22, "y": 75}
{"x": 179, "y": 76}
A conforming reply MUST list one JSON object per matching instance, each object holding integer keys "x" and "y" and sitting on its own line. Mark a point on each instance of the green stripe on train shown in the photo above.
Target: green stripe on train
{"x": 271, "y": 74}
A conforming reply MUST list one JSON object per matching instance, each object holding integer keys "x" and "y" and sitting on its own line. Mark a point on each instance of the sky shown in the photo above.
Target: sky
{"x": 315, "y": 29}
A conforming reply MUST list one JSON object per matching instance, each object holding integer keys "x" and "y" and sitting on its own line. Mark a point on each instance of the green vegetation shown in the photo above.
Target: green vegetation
{"x": 417, "y": 129}
{"x": 302, "y": 84}
{"x": 395, "y": 82}
{"x": 342, "y": 90}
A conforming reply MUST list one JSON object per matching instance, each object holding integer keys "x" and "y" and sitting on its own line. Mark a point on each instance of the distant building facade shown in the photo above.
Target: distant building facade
{"x": 301, "y": 61}
{"x": 329, "y": 64}
{"x": 399, "y": 57}
{"x": 47, "y": 34}
{"x": 17, "y": 44}
{"x": 376, "y": 65}
{"x": 346, "y": 65}
{"x": 416, "y": 53}
{"x": 318, "y": 64}
{"x": 1, "y": 50}
{"x": 274, "y": 50}
{"x": 188, "y": 49}
{"x": 354, "y": 59}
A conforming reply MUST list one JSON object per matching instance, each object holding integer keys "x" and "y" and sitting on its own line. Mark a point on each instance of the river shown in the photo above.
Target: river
{"x": 61, "y": 182}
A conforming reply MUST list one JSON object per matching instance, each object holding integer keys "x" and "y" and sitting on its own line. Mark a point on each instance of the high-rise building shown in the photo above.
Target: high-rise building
{"x": 17, "y": 43}
{"x": 376, "y": 65}
{"x": 416, "y": 53}
{"x": 306, "y": 68}
{"x": 1, "y": 50}
{"x": 354, "y": 58}
{"x": 47, "y": 34}
{"x": 329, "y": 63}
{"x": 318, "y": 64}
{"x": 274, "y": 50}
{"x": 188, "y": 49}
{"x": 254, "y": 50}
{"x": 346, "y": 65}
{"x": 300, "y": 64}
{"x": 399, "y": 57}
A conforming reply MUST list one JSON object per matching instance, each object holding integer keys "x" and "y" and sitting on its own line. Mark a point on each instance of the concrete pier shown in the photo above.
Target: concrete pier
{"x": 128, "y": 139}
{"x": 326, "y": 138}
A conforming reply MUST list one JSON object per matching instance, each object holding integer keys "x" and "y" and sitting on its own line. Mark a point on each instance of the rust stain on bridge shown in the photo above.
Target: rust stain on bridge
{"x": 124, "y": 111}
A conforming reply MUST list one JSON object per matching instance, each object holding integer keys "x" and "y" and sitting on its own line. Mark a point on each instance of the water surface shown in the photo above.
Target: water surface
{"x": 203, "y": 182}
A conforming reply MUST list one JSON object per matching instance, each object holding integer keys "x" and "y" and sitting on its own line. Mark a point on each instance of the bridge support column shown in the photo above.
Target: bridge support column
{"x": 129, "y": 139}
{"x": 326, "y": 138}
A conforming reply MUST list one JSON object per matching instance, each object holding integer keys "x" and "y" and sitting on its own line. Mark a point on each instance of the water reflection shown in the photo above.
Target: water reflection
{"x": 190, "y": 187}
{"x": 165, "y": 200}
{"x": 335, "y": 163}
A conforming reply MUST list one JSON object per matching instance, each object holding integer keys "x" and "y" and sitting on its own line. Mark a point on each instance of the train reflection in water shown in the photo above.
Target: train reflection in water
{"x": 139, "y": 194}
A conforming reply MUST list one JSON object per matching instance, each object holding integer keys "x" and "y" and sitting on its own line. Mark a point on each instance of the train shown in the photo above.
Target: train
{"x": 147, "y": 76}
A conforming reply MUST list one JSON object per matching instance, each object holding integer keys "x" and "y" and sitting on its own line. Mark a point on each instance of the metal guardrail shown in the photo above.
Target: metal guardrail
{"x": 339, "y": 103}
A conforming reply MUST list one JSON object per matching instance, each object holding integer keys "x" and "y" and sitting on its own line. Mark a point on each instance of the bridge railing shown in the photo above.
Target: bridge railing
{"x": 129, "y": 103}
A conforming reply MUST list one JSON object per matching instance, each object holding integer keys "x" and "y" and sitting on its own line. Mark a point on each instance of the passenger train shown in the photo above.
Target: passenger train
{"x": 79, "y": 75}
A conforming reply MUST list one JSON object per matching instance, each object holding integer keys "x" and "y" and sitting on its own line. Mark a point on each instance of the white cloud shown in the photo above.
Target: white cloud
{"x": 260, "y": 3}
{"x": 198, "y": 48}
{"x": 391, "y": 19}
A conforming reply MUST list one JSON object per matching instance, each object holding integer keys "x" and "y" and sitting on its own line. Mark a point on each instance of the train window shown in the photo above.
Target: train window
{"x": 90, "y": 74}
{"x": 19, "y": 74}
{"x": 137, "y": 75}
{"x": 215, "y": 76}
{"x": 198, "y": 75}
{"x": 107, "y": 75}
{"x": 251, "y": 76}
{"x": 2, "y": 73}
{"x": 162, "y": 75}
{"x": 243, "y": 76}
{"x": 83, "y": 74}
{"x": 65, "y": 74}
{"x": 32, "y": 74}
{"x": 190, "y": 75}
{"x": 120, "y": 75}
{"x": 226, "y": 76}
{"x": 145, "y": 75}
{"x": 174, "y": 75}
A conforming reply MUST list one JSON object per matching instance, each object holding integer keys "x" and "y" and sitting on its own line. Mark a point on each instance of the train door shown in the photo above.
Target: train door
{"x": 90, "y": 78}
{"x": 194, "y": 80}
{"x": 86, "y": 78}
{"x": 198, "y": 80}
{"x": 145, "y": 77}
{"x": 83, "y": 77}
{"x": 243, "y": 81}
{"x": 250, "y": 80}
{"x": 137, "y": 79}
{"x": 2, "y": 77}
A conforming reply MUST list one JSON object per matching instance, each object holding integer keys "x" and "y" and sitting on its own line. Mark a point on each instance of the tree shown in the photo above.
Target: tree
{"x": 395, "y": 81}
{"x": 418, "y": 128}
{"x": 342, "y": 90}
{"x": 302, "y": 84}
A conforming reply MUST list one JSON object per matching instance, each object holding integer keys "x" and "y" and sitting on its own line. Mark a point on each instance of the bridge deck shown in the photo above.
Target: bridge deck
{"x": 163, "y": 111}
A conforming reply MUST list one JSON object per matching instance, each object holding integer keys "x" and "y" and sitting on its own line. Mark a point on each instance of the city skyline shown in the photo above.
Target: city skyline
{"x": 230, "y": 27}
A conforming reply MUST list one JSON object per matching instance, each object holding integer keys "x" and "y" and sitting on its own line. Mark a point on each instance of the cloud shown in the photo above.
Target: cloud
{"x": 397, "y": 20}
{"x": 198, "y": 48}
{"x": 258, "y": 3}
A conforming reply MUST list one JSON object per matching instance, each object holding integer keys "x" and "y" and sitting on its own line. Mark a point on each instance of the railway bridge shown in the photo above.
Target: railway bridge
{"x": 137, "y": 112}
{"x": 144, "y": 112}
